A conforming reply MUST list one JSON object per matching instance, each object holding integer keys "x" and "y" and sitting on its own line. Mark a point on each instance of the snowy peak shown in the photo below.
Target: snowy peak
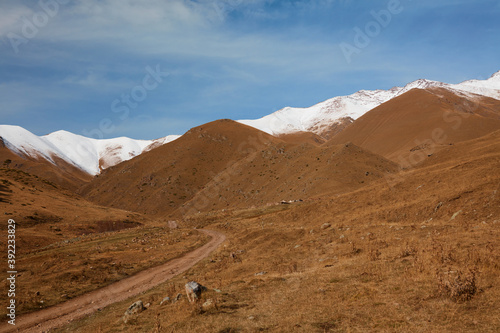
{"x": 321, "y": 117}
{"x": 421, "y": 84}
{"x": 495, "y": 76}
{"x": 489, "y": 87}
{"x": 89, "y": 155}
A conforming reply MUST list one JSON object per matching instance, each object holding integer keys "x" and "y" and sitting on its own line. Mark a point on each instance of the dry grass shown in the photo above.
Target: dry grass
{"x": 293, "y": 276}
{"x": 93, "y": 261}
{"x": 420, "y": 256}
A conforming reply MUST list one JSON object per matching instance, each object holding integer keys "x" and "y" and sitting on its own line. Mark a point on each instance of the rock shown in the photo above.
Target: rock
{"x": 455, "y": 215}
{"x": 325, "y": 226}
{"x": 177, "y": 298}
{"x": 165, "y": 300}
{"x": 135, "y": 308}
{"x": 208, "y": 305}
{"x": 194, "y": 290}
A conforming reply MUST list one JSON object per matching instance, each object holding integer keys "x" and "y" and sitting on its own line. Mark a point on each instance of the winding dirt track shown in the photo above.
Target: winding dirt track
{"x": 86, "y": 304}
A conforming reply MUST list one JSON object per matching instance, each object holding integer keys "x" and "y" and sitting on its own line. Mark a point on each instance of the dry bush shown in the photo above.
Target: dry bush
{"x": 443, "y": 254}
{"x": 374, "y": 254}
{"x": 408, "y": 250}
{"x": 157, "y": 328}
{"x": 354, "y": 250}
{"x": 458, "y": 285}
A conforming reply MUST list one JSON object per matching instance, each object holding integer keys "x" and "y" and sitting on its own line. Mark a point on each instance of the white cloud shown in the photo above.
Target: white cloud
{"x": 11, "y": 18}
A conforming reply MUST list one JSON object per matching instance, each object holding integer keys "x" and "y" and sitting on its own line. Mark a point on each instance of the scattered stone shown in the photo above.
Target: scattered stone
{"x": 177, "y": 298}
{"x": 325, "y": 226}
{"x": 251, "y": 318}
{"x": 260, "y": 273}
{"x": 296, "y": 246}
{"x": 455, "y": 215}
{"x": 165, "y": 300}
{"x": 133, "y": 309}
{"x": 209, "y": 305}
{"x": 194, "y": 290}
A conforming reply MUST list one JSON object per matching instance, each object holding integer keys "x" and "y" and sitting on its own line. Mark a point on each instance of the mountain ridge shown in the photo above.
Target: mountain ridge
{"x": 87, "y": 154}
{"x": 320, "y": 117}
{"x": 323, "y": 120}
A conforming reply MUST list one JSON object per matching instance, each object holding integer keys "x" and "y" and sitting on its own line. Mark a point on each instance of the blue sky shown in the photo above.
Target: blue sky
{"x": 70, "y": 64}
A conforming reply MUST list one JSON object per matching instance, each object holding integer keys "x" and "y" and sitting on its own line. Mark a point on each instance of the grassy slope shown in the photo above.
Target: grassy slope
{"x": 66, "y": 246}
{"x": 393, "y": 259}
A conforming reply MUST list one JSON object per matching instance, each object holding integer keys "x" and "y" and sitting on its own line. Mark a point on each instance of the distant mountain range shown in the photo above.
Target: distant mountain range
{"x": 89, "y": 155}
{"x": 92, "y": 155}
{"x": 319, "y": 118}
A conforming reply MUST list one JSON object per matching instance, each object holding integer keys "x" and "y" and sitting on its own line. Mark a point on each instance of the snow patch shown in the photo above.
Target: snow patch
{"x": 87, "y": 154}
{"x": 291, "y": 120}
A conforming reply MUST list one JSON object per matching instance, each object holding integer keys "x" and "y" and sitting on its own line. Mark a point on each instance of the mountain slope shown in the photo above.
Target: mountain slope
{"x": 226, "y": 164}
{"x": 89, "y": 155}
{"x": 160, "y": 180}
{"x": 414, "y": 125}
{"x": 58, "y": 172}
{"x": 321, "y": 117}
{"x": 290, "y": 172}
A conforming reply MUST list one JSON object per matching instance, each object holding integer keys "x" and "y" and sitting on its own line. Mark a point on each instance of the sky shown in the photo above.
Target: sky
{"x": 150, "y": 68}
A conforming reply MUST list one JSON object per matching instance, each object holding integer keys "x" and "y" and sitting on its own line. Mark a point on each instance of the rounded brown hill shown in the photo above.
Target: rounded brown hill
{"x": 418, "y": 123}
{"x": 162, "y": 179}
{"x": 226, "y": 164}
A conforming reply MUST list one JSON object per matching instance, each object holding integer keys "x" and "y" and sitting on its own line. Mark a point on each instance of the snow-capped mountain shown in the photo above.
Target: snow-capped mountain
{"x": 89, "y": 155}
{"x": 320, "y": 117}
{"x": 93, "y": 156}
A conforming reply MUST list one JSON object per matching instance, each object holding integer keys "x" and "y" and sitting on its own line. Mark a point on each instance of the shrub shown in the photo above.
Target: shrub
{"x": 460, "y": 286}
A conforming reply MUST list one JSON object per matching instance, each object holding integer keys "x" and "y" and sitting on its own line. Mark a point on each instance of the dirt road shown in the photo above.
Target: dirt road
{"x": 86, "y": 304}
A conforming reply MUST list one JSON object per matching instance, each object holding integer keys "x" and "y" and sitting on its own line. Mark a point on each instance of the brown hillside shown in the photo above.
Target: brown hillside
{"x": 420, "y": 254}
{"x": 302, "y": 137}
{"x": 225, "y": 164}
{"x": 293, "y": 172}
{"x": 159, "y": 181}
{"x": 63, "y": 174}
{"x": 418, "y": 123}
{"x": 66, "y": 246}
{"x": 48, "y": 213}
